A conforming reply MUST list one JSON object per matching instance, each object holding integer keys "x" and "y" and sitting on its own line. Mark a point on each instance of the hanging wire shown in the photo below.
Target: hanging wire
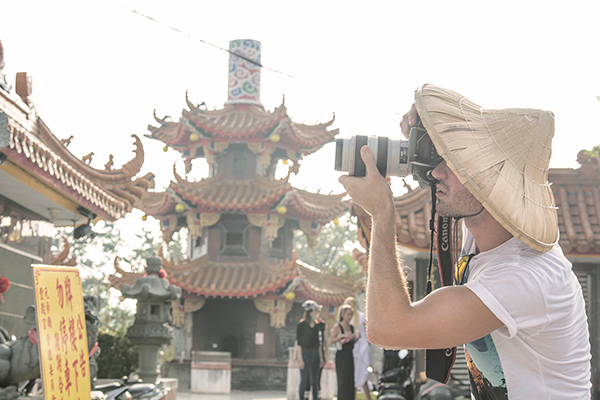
{"x": 208, "y": 43}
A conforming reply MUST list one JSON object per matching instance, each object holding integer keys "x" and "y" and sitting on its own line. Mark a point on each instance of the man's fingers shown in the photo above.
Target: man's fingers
{"x": 412, "y": 115}
{"x": 367, "y": 157}
{"x": 408, "y": 120}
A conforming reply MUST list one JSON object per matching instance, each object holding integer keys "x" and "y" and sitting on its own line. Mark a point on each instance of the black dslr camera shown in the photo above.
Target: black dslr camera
{"x": 416, "y": 156}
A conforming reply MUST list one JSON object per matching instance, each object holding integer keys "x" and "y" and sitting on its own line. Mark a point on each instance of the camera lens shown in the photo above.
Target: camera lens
{"x": 390, "y": 155}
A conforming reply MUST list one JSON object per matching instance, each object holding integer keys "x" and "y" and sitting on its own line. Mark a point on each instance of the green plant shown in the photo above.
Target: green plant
{"x": 118, "y": 357}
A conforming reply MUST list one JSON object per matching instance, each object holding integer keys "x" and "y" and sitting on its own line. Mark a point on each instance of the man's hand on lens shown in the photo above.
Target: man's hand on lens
{"x": 372, "y": 192}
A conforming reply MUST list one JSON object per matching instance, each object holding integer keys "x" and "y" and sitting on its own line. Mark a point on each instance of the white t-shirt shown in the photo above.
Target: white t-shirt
{"x": 543, "y": 349}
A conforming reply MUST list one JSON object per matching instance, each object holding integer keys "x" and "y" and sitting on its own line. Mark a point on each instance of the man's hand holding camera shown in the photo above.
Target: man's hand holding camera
{"x": 372, "y": 192}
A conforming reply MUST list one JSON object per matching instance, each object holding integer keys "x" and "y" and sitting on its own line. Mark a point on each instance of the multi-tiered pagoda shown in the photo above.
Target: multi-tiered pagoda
{"x": 242, "y": 283}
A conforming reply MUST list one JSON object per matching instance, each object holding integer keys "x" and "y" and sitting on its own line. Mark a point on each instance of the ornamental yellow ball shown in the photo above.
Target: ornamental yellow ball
{"x": 285, "y": 162}
{"x": 282, "y": 209}
{"x": 194, "y": 137}
{"x": 144, "y": 217}
{"x": 275, "y": 138}
{"x": 290, "y": 296}
{"x": 336, "y": 221}
{"x": 166, "y": 148}
{"x": 179, "y": 208}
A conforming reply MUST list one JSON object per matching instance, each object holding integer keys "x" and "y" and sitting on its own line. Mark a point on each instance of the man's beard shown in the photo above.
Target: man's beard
{"x": 457, "y": 205}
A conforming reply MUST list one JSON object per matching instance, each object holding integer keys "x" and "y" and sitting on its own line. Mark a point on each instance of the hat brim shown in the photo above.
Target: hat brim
{"x": 501, "y": 156}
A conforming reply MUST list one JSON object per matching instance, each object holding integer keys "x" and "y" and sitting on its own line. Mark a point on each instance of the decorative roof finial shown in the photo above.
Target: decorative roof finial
{"x": 244, "y": 72}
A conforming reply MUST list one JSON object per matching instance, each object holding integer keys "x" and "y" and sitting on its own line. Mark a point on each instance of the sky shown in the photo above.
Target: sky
{"x": 101, "y": 68}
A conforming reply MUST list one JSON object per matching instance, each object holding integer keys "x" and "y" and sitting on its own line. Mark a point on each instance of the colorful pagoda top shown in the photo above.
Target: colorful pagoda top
{"x": 246, "y": 135}
{"x": 576, "y": 193}
{"x": 203, "y": 133}
{"x": 34, "y": 157}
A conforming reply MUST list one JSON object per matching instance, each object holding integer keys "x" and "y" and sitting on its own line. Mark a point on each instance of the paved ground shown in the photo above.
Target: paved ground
{"x": 185, "y": 394}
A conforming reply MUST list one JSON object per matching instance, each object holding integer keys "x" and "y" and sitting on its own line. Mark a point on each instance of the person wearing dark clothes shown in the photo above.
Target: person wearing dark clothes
{"x": 344, "y": 337}
{"x": 309, "y": 355}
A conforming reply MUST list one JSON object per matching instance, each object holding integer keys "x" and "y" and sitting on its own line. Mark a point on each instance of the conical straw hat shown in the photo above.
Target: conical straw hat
{"x": 501, "y": 156}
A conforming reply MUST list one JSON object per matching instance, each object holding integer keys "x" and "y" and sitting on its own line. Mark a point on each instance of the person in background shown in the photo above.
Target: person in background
{"x": 308, "y": 354}
{"x": 344, "y": 337}
{"x": 323, "y": 346}
{"x": 167, "y": 354}
{"x": 361, "y": 350}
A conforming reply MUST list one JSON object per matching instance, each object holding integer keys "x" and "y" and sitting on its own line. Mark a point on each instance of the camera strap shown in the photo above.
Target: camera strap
{"x": 439, "y": 362}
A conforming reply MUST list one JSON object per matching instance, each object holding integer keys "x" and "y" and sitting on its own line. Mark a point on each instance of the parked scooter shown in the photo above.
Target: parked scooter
{"x": 453, "y": 390}
{"x": 125, "y": 389}
{"x": 396, "y": 382}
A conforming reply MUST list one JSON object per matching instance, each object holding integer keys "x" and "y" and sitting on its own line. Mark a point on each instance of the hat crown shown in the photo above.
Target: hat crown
{"x": 501, "y": 156}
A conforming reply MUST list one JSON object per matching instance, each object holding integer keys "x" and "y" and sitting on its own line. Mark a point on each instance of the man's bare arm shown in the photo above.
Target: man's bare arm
{"x": 447, "y": 317}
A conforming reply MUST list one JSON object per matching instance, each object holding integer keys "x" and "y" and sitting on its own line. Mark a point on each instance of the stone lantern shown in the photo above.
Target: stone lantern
{"x": 151, "y": 327}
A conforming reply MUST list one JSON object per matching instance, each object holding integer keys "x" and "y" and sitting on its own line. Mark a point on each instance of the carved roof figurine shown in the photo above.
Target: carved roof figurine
{"x": 32, "y": 147}
{"x": 153, "y": 285}
{"x": 61, "y": 257}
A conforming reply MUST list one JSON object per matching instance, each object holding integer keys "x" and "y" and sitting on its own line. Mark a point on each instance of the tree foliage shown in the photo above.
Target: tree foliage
{"x": 95, "y": 256}
{"x": 118, "y": 357}
{"x": 595, "y": 152}
{"x": 332, "y": 254}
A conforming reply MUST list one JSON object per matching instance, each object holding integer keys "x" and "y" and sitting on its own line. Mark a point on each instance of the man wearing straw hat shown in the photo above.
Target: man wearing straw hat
{"x": 518, "y": 306}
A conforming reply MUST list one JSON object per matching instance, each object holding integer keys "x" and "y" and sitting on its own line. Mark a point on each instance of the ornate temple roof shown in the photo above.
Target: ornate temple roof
{"x": 259, "y": 195}
{"x": 201, "y": 128}
{"x": 266, "y": 277}
{"x": 577, "y": 196}
{"x": 38, "y": 159}
{"x": 220, "y": 194}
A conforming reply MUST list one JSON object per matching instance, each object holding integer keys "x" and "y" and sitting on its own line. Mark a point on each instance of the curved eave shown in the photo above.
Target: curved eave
{"x": 220, "y": 194}
{"x": 107, "y": 177}
{"x": 314, "y": 206}
{"x": 307, "y": 139}
{"x": 159, "y": 204}
{"x": 36, "y": 153}
{"x": 234, "y": 280}
{"x": 27, "y": 152}
{"x": 234, "y": 121}
{"x": 324, "y": 289}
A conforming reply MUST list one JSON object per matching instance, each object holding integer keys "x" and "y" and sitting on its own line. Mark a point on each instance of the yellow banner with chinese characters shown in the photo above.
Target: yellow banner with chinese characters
{"x": 62, "y": 335}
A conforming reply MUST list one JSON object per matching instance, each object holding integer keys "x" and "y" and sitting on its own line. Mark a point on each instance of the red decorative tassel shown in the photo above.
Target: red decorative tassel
{"x": 4, "y": 285}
